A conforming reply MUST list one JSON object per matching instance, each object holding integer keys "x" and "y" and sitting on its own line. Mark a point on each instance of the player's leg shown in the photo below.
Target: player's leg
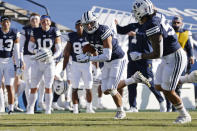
{"x": 41, "y": 91}
{"x": 189, "y": 78}
{"x": 88, "y": 83}
{"x": 115, "y": 69}
{"x": 9, "y": 82}
{"x": 174, "y": 67}
{"x": 49, "y": 75}
{"x": 75, "y": 79}
{"x": 36, "y": 76}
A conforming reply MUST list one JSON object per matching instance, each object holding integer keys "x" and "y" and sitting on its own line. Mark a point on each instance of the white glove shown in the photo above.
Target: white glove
{"x": 18, "y": 71}
{"x": 82, "y": 58}
{"x": 135, "y": 56}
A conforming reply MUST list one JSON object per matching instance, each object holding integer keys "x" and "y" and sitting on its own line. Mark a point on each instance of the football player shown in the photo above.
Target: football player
{"x": 165, "y": 46}
{"x": 79, "y": 69}
{"x": 45, "y": 43}
{"x": 102, "y": 39}
{"x": 9, "y": 45}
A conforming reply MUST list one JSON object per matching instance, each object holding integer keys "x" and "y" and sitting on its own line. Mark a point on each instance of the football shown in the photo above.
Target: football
{"x": 88, "y": 48}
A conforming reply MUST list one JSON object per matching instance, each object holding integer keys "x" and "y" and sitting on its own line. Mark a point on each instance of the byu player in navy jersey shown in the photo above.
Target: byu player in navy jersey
{"x": 25, "y": 54}
{"x": 9, "y": 45}
{"x": 139, "y": 42}
{"x": 78, "y": 69}
{"x": 45, "y": 43}
{"x": 101, "y": 37}
{"x": 165, "y": 46}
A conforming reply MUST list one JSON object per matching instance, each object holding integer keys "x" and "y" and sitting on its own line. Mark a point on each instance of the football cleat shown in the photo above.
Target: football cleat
{"x": 183, "y": 119}
{"x": 162, "y": 107}
{"x": 120, "y": 115}
{"x": 132, "y": 109}
{"x": 90, "y": 110}
{"x": 141, "y": 79}
{"x": 55, "y": 106}
{"x": 42, "y": 105}
{"x": 18, "y": 109}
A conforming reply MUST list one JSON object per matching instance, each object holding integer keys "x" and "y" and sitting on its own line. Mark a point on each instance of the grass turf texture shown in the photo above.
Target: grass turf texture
{"x": 101, "y": 121}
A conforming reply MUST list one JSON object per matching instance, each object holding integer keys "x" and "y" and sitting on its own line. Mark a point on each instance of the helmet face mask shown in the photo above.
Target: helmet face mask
{"x": 142, "y": 8}
{"x": 89, "y": 22}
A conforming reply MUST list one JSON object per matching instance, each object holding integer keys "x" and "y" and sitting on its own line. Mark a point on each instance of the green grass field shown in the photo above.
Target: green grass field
{"x": 101, "y": 121}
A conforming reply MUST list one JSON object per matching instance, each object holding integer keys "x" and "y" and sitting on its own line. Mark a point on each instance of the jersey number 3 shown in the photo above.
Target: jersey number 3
{"x": 6, "y": 45}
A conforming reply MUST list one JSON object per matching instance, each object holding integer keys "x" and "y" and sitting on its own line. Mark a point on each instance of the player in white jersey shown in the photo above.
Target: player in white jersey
{"x": 9, "y": 45}
{"x": 79, "y": 69}
{"x": 165, "y": 46}
{"x": 45, "y": 43}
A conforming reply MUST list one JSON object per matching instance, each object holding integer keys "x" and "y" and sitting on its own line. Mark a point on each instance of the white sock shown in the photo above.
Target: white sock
{"x": 2, "y": 100}
{"x": 21, "y": 87}
{"x": 41, "y": 94}
{"x": 27, "y": 93}
{"x": 120, "y": 108}
{"x": 129, "y": 81}
{"x": 99, "y": 100}
{"x": 181, "y": 109}
{"x": 89, "y": 105}
{"x": 75, "y": 107}
{"x": 48, "y": 100}
{"x": 32, "y": 100}
{"x": 11, "y": 107}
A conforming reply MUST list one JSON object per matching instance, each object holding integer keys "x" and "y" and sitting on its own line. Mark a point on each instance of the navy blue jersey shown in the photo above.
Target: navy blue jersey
{"x": 77, "y": 43}
{"x": 7, "y": 42}
{"x": 46, "y": 39}
{"x": 102, "y": 33}
{"x": 139, "y": 43}
{"x": 159, "y": 25}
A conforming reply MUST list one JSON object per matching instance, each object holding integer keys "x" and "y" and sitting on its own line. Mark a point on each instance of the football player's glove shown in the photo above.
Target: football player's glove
{"x": 82, "y": 58}
{"x": 135, "y": 56}
{"x": 43, "y": 55}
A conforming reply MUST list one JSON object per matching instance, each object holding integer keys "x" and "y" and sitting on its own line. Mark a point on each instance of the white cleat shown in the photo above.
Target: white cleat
{"x": 30, "y": 112}
{"x": 132, "y": 109}
{"x": 162, "y": 107}
{"x": 141, "y": 79}
{"x": 120, "y": 115}
{"x": 67, "y": 106}
{"x": 42, "y": 105}
{"x": 75, "y": 111}
{"x": 55, "y": 106}
{"x": 183, "y": 119}
{"x": 90, "y": 111}
{"x": 48, "y": 112}
{"x": 18, "y": 109}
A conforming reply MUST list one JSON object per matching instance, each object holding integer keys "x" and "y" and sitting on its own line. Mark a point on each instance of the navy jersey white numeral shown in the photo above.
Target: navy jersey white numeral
{"x": 159, "y": 25}
{"x": 7, "y": 42}
{"x": 77, "y": 44}
{"x": 102, "y": 33}
{"x": 46, "y": 39}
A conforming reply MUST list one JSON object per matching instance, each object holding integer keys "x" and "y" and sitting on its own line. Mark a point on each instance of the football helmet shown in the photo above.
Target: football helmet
{"x": 89, "y": 18}
{"x": 43, "y": 55}
{"x": 141, "y": 8}
{"x": 60, "y": 87}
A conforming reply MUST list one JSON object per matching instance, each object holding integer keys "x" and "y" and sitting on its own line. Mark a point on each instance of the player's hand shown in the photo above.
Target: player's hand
{"x": 82, "y": 58}
{"x": 18, "y": 71}
{"x": 135, "y": 56}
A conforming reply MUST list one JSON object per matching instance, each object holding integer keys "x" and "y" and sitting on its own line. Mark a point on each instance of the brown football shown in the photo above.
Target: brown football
{"x": 88, "y": 48}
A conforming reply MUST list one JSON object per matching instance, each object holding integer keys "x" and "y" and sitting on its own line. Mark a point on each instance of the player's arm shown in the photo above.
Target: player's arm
{"x": 189, "y": 50}
{"x": 22, "y": 42}
{"x": 57, "y": 47}
{"x": 17, "y": 51}
{"x": 66, "y": 54}
{"x": 107, "y": 51}
{"x": 157, "y": 45}
{"x": 32, "y": 45}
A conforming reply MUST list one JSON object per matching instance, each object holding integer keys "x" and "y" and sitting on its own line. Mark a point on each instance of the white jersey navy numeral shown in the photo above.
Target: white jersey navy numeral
{"x": 45, "y": 43}
{"x": 77, "y": 47}
{"x": 7, "y": 45}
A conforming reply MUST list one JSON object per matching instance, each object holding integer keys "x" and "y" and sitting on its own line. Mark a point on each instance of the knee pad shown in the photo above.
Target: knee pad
{"x": 113, "y": 92}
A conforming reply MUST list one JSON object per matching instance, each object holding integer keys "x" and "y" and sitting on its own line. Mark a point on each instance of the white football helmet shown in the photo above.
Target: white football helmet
{"x": 60, "y": 87}
{"x": 89, "y": 18}
{"x": 43, "y": 55}
{"x": 141, "y": 8}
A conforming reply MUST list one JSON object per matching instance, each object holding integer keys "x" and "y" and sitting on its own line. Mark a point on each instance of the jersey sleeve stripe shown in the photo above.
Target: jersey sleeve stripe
{"x": 153, "y": 32}
{"x": 106, "y": 34}
{"x": 152, "y": 28}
